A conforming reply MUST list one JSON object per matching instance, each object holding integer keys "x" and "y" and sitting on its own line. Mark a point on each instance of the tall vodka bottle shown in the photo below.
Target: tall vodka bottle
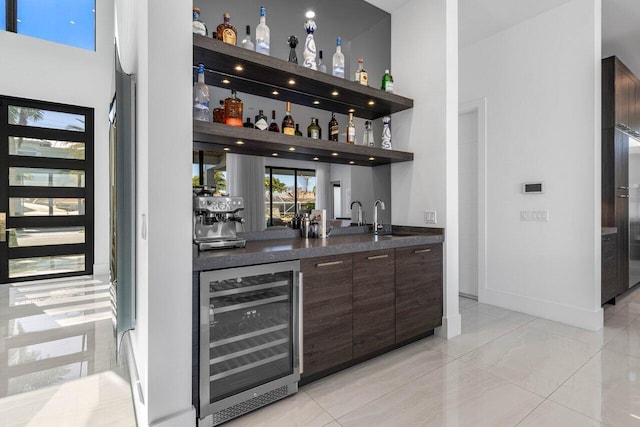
{"x": 263, "y": 35}
{"x": 201, "y": 97}
{"x": 338, "y": 60}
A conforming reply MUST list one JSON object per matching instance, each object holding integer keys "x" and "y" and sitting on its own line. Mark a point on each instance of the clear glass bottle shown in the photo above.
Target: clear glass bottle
{"x": 288, "y": 125}
{"x": 386, "y": 133}
{"x": 227, "y": 32}
{"x": 351, "y": 130}
{"x": 367, "y": 136}
{"x": 338, "y": 60}
{"x": 361, "y": 75}
{"x": 201, "y": 97}
{"x": 321, "y": 67}
{"x": 263, "y": 34}
{"x": 261, "y": 121}
{"x": 273, "y": 127}
{"x": 198, "y": 27}
{"x": 218, "y": 113}
{"x": 298, "y": 133}
{"x": 233, "y": 110}
{"x": 387, "y": 82}
{"x": 247, "y": 43}
{"x": 313, "y": 130}
{"x": 334, "y": 129}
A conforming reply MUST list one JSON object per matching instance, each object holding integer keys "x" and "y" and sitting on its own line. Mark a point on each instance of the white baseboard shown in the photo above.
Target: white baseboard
{"x": 184, "y": 418}
{"x": 126, "y": 351}
{"x": 100, "y": 269}
{"x": 574, "y": 316}
{"x": 451, "y": 327}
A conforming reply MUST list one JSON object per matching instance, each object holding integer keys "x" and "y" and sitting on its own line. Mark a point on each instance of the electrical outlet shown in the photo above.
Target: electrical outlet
{"x": 430, "y": 217}
{"x": 534, "y": 215}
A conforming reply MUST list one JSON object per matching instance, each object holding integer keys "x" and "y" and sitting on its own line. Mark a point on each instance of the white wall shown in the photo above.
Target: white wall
{"x": 541, "y": 79}
{"x": 42, "y": 70}
{"x": 425, "y": 69}
{"x": 162, "y": 338}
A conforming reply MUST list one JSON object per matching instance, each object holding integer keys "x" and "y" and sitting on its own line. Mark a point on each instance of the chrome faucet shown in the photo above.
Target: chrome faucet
{"x": 360, "y": 217}
{"x": 377, "y": 226}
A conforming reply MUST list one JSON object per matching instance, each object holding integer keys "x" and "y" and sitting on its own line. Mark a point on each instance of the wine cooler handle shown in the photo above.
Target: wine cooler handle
{"x": 301, "y": 322}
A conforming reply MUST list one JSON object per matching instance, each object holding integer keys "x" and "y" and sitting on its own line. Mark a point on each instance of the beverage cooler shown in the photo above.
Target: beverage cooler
{"x": 250, "y": 339}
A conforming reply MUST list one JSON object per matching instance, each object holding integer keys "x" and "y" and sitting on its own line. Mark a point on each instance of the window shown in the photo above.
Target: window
{"x": 210, "y": 169}
{"x": 288, "y": 192}
{"x": 70, "y": 22}
{"x": 46, "y": 152}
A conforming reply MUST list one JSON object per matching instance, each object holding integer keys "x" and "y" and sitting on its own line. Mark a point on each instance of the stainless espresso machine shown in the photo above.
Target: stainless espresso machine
{"x": 216, "y": 221}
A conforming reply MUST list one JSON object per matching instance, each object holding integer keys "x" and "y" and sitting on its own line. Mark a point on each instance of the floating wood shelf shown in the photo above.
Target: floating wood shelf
{"x": 216, "y": 136}
{"x": 251, "y": 72}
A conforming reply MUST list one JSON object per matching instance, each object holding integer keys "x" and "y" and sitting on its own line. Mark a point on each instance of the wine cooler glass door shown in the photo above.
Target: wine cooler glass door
{"x": 251, "y": 328}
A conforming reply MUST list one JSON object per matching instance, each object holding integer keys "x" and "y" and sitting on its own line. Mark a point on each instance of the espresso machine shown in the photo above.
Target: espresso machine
{"x": 216, "y": 221}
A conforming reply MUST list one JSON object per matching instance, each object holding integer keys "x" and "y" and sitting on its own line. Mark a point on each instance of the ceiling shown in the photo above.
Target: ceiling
{"x": 621, "y": 31}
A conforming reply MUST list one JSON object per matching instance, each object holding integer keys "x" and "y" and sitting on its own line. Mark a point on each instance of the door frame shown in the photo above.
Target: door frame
{"x": 479, "y": 106}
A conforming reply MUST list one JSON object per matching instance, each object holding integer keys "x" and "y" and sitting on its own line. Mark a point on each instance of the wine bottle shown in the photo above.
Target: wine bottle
{"x": 273, "y": 127}
{"x": 227, "y": 32}
{"x": 334, "y": 129}
{"x": 201, "y": 97}
{"x": 313, "y": 130}
{"x": 261, "y": 121}
{"x": 298, "y": 133}
{"x": 288, "y": 125}
{"x": 351, "y": 130}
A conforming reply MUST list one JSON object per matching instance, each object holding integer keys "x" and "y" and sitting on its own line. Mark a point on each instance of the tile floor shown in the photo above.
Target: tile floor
{"x": 506, "y": 369}
{"x": 57, "y": 355}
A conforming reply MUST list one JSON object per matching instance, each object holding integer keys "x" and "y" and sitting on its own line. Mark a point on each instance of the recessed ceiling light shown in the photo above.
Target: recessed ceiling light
{"x": 335, "y": 93}
{"x": 240, "y": 142}
{"x": 316, "y": 158}
{"x": 310, "y": 14}
{"x": 316, "y": 102}
{"x": 292, "y": 148}
{"x": 372, "y": 158}
{"x": 334, "y": 154}
{"x": 351, "y": 110}
{"x": 352, "y": 162}
{"x": 291, "y": 82}
{"x": 226, "y": 81}
{"x": 227, "y": 149}
{"x": 275, "y": 93}
{"x": 275, "y": 154}
{"x": 372, "y": 102}
{"x": 239, "y": 68}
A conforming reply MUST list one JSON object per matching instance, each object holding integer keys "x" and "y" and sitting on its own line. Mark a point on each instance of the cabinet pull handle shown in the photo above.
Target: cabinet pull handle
{"x": 421, "y": 251}
{"x": 623, "y": 188}
{"x": 328, "y": 264}
{"x": 301, "y": 325}
{"x": 624, "y": 196}
{"x": 378, "y": 256}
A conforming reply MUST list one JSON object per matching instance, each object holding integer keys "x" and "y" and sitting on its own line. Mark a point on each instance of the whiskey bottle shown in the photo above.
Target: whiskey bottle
{"x": 263, "y": 35}
{"x": 313, "y": 130}
{"x": 288, "y": 125}
{"x": 387, "y": 82}
{"x": 261, "y": 121}
{"x": 198, "y": 27}
{"x": 361, "y": 75}
{"x": 298, "y": 133}
{"x": 218, "y": 113}
{"x": 351, "y": 130}
{"x": 227, "y": 32}
{"x": 233, "y": 110}
{"x": 201, "y": 97}
{"x": 273, "y": 127}
{"x": 334, "y": 130}
{"x": 247, "y": 43}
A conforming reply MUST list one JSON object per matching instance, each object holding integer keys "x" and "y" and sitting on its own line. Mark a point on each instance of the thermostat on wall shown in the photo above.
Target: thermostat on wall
{"x": 533, "y": 187}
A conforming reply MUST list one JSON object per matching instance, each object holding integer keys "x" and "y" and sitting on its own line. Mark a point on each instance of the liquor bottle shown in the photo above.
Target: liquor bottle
{"x": 386, "y": 133}
{"x": 273, "y": 127}
{"x": 261, "y": 121}
{"x": 201, "y": 97}
{"x": 298, "y": 133}
{"x": 338, "y": 60}
{"x": 361, "y": 75}
{"x": 288, "y": 125}
{"x": 334, "y": 130}
{"x": 367, "y": 136}
{"x": 309, "y": 52}
{"x": 321, "y": 67}
{"x": 198, "y": 26}
{"x": 233, "y": 110}
{"x": 293, "y": 42}
{"x": 247, "y": 43}
{"x": 314, "y": 131}
{"x": 351, "y": 130}
{"x": 218, "y": 113}
{"x": 263, "y": 35}
{"x": 248, "y": 123}
{"x": 387, "y": 82}
{"x": 227, "y": 32}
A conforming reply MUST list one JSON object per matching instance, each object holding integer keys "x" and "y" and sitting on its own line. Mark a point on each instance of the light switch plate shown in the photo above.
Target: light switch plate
{"x": 526, "y": 215}
{"x": 430, "y": 217}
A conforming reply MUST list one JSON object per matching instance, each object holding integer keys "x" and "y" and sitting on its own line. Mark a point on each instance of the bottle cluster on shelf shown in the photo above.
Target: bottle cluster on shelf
{"x": 227, "y": 33}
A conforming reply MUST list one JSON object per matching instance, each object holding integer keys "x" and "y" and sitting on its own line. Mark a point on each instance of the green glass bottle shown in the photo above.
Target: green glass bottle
{"x": 313, "y": 130}
{"x": 387, "y": 82}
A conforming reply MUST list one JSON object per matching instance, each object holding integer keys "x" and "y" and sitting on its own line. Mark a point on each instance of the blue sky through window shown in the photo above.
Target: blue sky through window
{"x": 3, "y": 15}
{"x": 70, "y": 22}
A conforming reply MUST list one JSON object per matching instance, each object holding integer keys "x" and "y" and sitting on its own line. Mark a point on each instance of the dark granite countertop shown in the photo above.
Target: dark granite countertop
{"x": 606, "y": 231}
{"x": 288, "y": 249}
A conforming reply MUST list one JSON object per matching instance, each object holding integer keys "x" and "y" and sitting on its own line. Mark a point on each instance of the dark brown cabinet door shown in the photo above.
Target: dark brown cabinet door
{"x": 624, "y": 93}
{"x": 327, "y": 305}
{"x": 418, "y": 290}
{"x": 609, "y": 267}
{"x": 373, "y": 301}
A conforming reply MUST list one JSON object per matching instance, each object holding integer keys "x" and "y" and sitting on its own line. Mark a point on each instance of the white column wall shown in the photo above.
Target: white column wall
{"x": 541, "y": 80}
